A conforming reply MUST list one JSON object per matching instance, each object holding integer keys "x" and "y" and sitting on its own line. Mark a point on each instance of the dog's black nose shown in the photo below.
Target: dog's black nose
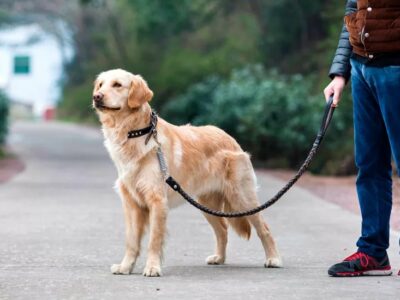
{"x": 98, "y": 97}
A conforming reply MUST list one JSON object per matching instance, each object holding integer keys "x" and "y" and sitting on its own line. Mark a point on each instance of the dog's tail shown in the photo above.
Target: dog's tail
{"x": 241, "y": 225}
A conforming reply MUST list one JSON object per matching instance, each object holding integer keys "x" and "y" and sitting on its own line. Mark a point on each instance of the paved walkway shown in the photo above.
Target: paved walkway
{"x": 61, "y": 228}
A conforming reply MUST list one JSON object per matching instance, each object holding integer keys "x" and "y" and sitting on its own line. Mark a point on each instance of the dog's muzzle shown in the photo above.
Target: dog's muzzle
{"x": 99, "y": 103}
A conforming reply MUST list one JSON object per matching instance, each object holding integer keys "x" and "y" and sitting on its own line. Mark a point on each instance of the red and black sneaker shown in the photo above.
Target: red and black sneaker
{"x": 361, "y": 264}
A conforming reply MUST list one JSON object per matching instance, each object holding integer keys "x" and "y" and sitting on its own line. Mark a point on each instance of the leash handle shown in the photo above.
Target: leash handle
{"x": 329, "y": 109}
{"x": 326, "y": 119}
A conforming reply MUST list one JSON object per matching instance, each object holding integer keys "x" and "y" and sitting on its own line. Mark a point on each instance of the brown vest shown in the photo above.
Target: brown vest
{"x": 375, "y": 27}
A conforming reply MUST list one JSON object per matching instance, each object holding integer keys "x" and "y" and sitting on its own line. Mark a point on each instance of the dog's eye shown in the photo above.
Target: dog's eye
{"x": 117, "y": 85}
{"x": 100, "y": 85}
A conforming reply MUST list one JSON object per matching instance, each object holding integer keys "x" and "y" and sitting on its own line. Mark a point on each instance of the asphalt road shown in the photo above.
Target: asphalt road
{"x": 61, "y": 228}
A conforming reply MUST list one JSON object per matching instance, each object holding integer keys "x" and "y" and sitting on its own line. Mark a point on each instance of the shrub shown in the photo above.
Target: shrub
{"x": 272, "y": 116}
{"x": 77, "y": 104}
{"x": 4, "y": 110}
{"x": 193, "y": 106}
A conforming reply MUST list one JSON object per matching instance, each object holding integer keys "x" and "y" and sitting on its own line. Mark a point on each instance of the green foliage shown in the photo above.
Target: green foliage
{"x": 174, "y": 44}
{"x": 4, "y": 110}
{"x": 274, "y": 117}
{"x": 193, "y": 106}
{"x": 4, "y": 17}
{"x": 171, "y": 43}
{"x": 268, "y": 113}
{"x": 187, "y": 50}
{"x": 291, "y": 37}
{"x": 75, "y": 109}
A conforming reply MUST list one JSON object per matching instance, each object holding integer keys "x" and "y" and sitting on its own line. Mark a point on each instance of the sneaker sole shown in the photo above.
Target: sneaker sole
{"x": 363, "y": 273}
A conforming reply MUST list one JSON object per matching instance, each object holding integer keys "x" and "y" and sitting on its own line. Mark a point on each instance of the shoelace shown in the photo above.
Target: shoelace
{"x": 365, "y": 259}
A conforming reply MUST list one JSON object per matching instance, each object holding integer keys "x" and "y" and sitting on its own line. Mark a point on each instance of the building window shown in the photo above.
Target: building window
{"x": 22, "y": 64}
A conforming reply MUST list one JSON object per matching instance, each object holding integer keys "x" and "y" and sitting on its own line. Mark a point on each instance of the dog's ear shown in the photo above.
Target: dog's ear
{"x": 139, "y": 93}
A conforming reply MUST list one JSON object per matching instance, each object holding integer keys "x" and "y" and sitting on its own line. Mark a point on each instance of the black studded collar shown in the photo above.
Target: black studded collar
{"x": 150, "y": 130}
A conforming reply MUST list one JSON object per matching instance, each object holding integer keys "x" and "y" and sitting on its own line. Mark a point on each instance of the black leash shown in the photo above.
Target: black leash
{"x": 326, "y": 120}
{"x": 152, "y": 131}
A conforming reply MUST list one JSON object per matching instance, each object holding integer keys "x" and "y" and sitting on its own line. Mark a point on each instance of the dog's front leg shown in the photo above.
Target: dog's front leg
{"x": 136, "y": 219}
{"x": 158, "y": 210}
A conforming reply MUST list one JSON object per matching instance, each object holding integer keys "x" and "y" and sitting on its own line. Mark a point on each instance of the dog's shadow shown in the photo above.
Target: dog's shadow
{"x": 204, "y": 271}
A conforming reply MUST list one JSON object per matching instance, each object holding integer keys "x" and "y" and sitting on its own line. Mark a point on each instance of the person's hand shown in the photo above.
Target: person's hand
{"x": 335, "y": 88}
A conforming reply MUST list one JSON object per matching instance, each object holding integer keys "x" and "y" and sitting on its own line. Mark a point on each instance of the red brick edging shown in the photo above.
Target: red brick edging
{"x": 9, "y": 167}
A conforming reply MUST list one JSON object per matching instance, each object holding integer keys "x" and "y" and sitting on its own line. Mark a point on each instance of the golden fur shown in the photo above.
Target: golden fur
{"x": 207, "y": 162}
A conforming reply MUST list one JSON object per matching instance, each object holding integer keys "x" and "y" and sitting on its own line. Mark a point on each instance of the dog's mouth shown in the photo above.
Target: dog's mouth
{"x": 101, "y": 106}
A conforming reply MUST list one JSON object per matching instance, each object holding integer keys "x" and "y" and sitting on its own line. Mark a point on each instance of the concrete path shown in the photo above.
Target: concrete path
{"x": 61, "y": 228}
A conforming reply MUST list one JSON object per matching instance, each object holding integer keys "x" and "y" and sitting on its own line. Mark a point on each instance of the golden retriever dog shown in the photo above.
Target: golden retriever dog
{"x": 207, "y": 162}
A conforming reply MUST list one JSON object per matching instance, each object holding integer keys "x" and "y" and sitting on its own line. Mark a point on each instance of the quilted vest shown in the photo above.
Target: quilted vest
{"x": 375, "y": 27}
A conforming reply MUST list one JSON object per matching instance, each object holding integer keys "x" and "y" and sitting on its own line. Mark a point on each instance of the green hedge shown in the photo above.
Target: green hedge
{"x": 274, "y": 117}
{"x": 77, "y": 104}
{"x": 4, "y": 110}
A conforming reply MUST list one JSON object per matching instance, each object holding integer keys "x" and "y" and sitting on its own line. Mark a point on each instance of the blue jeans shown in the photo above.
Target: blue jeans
{"x": 376, "y": 97}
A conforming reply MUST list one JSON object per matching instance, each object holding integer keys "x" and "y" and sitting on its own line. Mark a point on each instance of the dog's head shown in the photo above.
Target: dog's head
{"x": 119, "y": 90}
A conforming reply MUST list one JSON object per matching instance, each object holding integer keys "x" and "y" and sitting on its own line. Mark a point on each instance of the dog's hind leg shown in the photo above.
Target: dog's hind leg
{"x": 273, "y": 259}
{"x": 215, "y": 201}
{"x": 240, "y": 190}
{"x": 135, "y": 222}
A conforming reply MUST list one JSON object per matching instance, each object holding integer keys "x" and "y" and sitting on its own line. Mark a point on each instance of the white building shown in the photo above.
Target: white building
{"x": 32, "y": 66}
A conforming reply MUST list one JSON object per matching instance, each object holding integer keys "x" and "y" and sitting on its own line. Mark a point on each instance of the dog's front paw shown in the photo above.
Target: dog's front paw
{"x": 215, "y": 260}
{"x": 273, "y": 262}
{"x": 152, "y": 271}
{"x": 119, "y": 269}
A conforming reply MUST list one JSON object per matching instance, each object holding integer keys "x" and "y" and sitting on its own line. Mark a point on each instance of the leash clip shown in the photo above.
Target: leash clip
{"x": 162, "y": 163}
{"x": 153, "y": 131}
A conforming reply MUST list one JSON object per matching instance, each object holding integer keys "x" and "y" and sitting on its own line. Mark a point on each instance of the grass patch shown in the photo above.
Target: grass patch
{"x": 4, "y": 154}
